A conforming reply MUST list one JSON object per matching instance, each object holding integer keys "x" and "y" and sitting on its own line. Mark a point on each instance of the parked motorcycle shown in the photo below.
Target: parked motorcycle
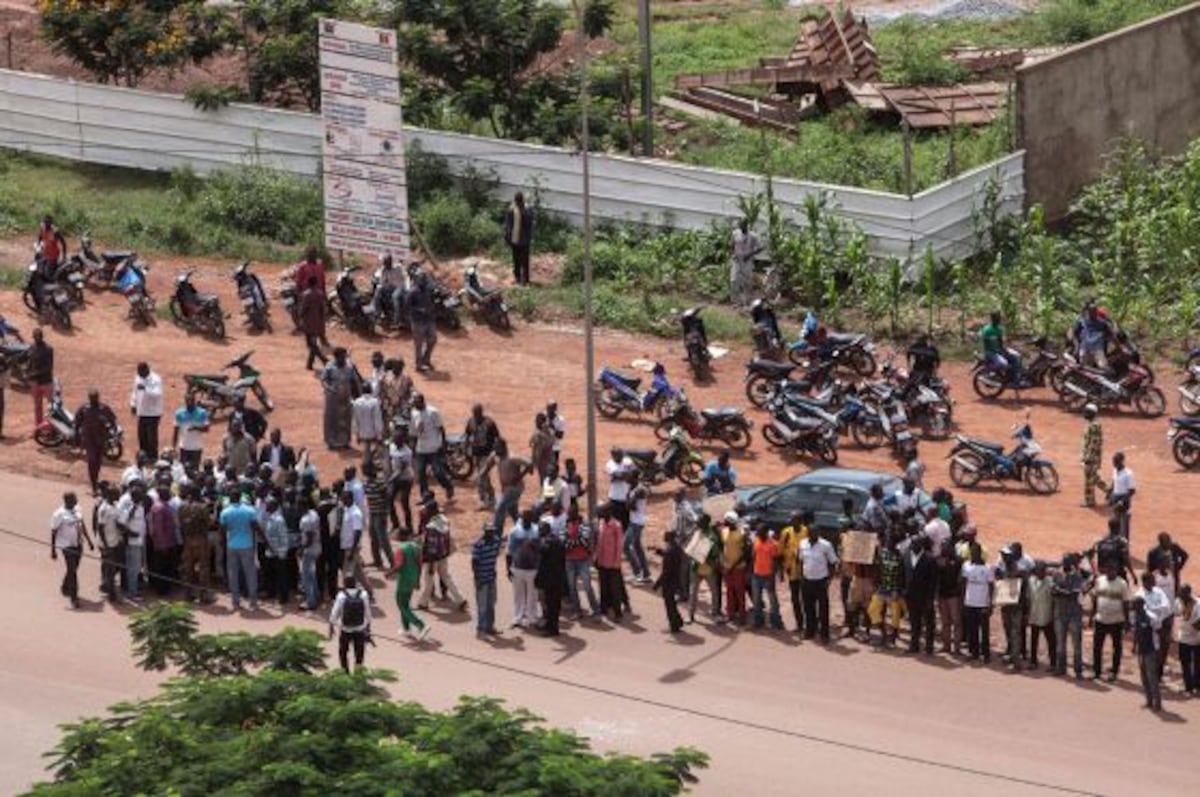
{"x": 445, "y": 305}
{"x": 617, "y": 393}
{"x": 350, "y": 306}
{"x": 768, "y": 339}
{"x": 195, "y": 311}
{"x": 486, "y": 302}
{"x": 58, "y": 429}
{"x": 99, "y": 268}
{"x": 255, "y": 306}
{"x": 217, "y": 392}
{"x": 1082, "y": 386}
{"x": 973, "y": 460}
{"x": 927, "y": 401}
{"x": 894, "y": 417}
{"x": 55, "y": 305}
{"x": 695, "y": 341}
{"x": 1184, "y": 437}
{"x": 727, "y": 425}
{"x": 1189, "y": 390}
{"x": 1046, "y": 368}
{"x": 812, "y": 432}
{"x": 676, "y": 460}
{"x": 816, "y": 345}
{"x": 289, "y": 296}
{"x": 14, "y": 354}
{"x": 130, "y": 280}
{"x": 765, "y": 378}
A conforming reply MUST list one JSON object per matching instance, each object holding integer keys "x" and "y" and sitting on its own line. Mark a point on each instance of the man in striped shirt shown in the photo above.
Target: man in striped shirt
{"x": 484, "y": 554}
{"x": 378, "y": 510}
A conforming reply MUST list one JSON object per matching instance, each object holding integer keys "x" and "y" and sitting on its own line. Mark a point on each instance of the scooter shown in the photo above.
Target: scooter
{"x": 695, "y": 341}
{"x": 1046, "y": 368}
{"x": 1189, "y": 389}
{"x": 616, "y": 393}
{"x": 768, "y": 339}
{"x": 1184, "y": 437}
{"x": 195, "y": 311}
{"x": 726, "y": 425}
{"x": 100, "y": 269}
{"x": 255, "y": 306}
{"x": 1082, "y": 386}
{"x": 58, "y": 429}
{"x": 765, "y": 378}
{"x": 54, "y": 308}
{"x": 486, "y": 302}
{"x": 973, "y": 460}
{"x": 676, "y": 460}
{"x": 814, "y": 432}
{"x": 349, "y": 305}
{"x": 130, "y": 280}
{"x": 816, "y": 345}
{"x": 217, "y": 392}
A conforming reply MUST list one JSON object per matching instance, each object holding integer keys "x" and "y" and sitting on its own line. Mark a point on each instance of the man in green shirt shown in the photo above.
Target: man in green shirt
{"x": 994, "y": 350}
{"x": 407, "y": 569}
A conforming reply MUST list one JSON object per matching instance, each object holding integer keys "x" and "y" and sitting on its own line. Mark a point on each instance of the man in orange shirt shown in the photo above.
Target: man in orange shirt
{"x": 766, "y": 560}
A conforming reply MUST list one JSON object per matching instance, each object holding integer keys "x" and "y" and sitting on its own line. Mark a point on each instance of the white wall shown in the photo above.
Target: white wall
{"x": 125, "y": 127}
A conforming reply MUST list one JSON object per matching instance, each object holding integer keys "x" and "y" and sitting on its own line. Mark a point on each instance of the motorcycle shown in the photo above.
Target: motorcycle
{"x": 695, "y": 341}
{"x": 58, "y": 429}
{"x": 255, "y": 306}
{"x": 1189, "y": 390}
{"x": 894, "y": 417}
{"x": 814, "y": 432}
{"x": 55, "y": 305}
{"x": 195, "y": 311}
{"x": 14, "y": 357}
{"x": 676, "y": 460}
{"x": 487, "y": 302}
{"x": 768, "y": 340}
{"x": 728, "y": 425}
{"x": 973, "y": 460}
{"x": 617, "y": 393}
{"x": 927, "y": 401}
{"x": 445, "y": 305}
{"x": 850, "y": 351}
{"x": 459, "y": 461}
{"x": 1184, "y": 437}
{"x": 290, "y": 296}
{"x": 1047, "y": 368}
{"x": 217, "y": 392}
{"x": 349, "y": 306}
{"x": 765, "y": 379}
{"x": 99, "y": 269}
{"x": 1082, "y": 386}
{"x": 130, "y": 280}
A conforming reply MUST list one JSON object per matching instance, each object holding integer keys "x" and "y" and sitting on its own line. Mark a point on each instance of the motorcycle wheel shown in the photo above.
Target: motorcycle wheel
{"x": 662, "y": 430}
{"x": 216, "y": 325}
{"x": 868, "y": 435}
{"x": 1150, "y": 401}
{"x": 460, "y": 465}
{"x": 1187, "y": 405}
{"x": 760, "y": 390}
{"x": 935, "y": 426}
{"x": 662, "y": 409}
{"x": 1056, "y": 376}
{"x": 961, "y": 474}
{"x": 1074, "y": 400}
{"x": 176, "y": 310}
{"x": 827, "y": 453}
{"x": 987, "y": 385}
{"x": 47, "y": 437}
{"x": 1186, "y": 450}
{"x": 27, "y": 298}
{"x": 75, "y": 294}
{"x": 502, "y": 320}
{"x": 144, "y": 312}
{"x": 1042, "y": 479}
{"x": 862, "y": 362}
{"x": 691, "y": 472}
{"x": 61, "y": 317}
{"x": 114, "y": 449}
{"x": 736, "y": 436}
{"x": 260, "y": 393}
{"x": 606, "y": 406}
{"x": 774, "y": 437}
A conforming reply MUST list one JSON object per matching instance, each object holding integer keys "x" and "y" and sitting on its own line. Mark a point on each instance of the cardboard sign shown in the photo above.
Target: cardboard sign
{"x": 858, "y": 547}
{"x": 699, "y": 547}
{"x": 1008, "y": 591}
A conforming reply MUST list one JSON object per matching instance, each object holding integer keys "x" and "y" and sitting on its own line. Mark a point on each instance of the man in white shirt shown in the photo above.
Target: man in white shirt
{"x": 350, "y": 528}
{"x": 1120, "y": 499}
{"x": 351, "y": 615}
{"x": 818, "y": 561}
{"x": 146, "y": 403}
{"x": 620, "y": 475}
{"x": 1112, "y": 600}
{"x": 936, "y": 529}
{"x": 66, "y": 530}
{"x": 132, "y": 520}
{"x": 1162, "y": 611}
{"x": 558, "y": 427}
{"x": 430, "y": 434}
{"x": 112, "y": 544}
{"x": 978, "y": 584}
{"x": 367, "y": 414}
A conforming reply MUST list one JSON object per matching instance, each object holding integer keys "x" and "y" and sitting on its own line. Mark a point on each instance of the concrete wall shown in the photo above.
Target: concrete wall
{"x": 145, "y": 130}
{"x": 1142, "y": 81}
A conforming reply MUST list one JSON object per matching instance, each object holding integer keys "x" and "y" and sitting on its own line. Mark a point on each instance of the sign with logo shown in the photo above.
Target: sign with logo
{"x": 366, "y": 201}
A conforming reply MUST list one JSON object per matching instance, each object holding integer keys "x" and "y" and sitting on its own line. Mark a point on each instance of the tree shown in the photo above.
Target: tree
{"x": 280, "y": 42}
{"x": 121, "y": 41}
{"x": 257, "y": 715}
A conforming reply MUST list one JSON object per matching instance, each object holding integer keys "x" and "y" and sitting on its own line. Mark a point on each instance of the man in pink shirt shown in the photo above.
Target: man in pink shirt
{"x": 609, "y": 538}
{"x": 163, "y": 531}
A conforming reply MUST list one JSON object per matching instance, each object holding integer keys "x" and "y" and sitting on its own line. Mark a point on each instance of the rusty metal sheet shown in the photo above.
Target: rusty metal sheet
{"x": 780, "y": 116}
{"x": 1001, "y": 59}
{"x": 965, "y": 104}
{"x": 764, "y": 76}
{"x": 836, "y": 39}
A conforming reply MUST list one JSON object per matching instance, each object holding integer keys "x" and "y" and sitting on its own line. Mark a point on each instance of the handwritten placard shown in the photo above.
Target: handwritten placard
{"x": 1008, "y": 591}
{"x": 858, "y": 547}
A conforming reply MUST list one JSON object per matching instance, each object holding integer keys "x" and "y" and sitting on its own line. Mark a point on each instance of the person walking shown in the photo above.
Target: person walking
{"x": 68, "y": 532}
{"x": 351, "y": 615}
{"x": 430, "y": 435}
{"x": 707, "y": 570}
{"x": 518, "y": 234}
{"x": 482, "y": 435}
{"x": 146, "y": 404}
{"x": 401, "y": 475}
{"x": 341, "y": 383}
{"x": 522, "y": 560}
{"x": 978, "y": 586}
{"x": 377, "y": 493}
{"x": 1188, "y": 610}
{"x": 242, "y": 530}
{"x": 312, "y": 320}
{"x": 1120, "y": 497}
{"x": 421, "y": 318}
{"x": 762, "y": 578}
{"x": 667, "y": 582}
{"x": 1110, "y": 616}
{"x": 818, "y": 563}
{"x": 436, "y": 547}
{"x": 609, "y": 537}
{"x": 551, "y": 578}
{"x": 41, "y": 374}
{"x": 406, "y": 567}
{"x": 1145, "y": 647}
{"x": 112, "y": 543}
{"x": 1092, "y": 456}
{"x": 484, "y": 554}
{"x": 94, "y": 423}
{"x": 191, "y": 422}
{"x": 368, "y": 423}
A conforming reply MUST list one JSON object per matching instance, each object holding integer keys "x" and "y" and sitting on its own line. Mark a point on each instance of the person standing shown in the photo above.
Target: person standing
{"x": 482, "y": 436}
{"x": 240, "y": 523}
{"x": 789, "y": 539}
{"x": 741, "y": 271}
{"x": 762, "y": 578}
{"x": 551, "y": 577}
{"x": 609, "y": 537}
{"x": 557, "y": 426}
{"x": 112, "y": 543}
{"x": 340, "y": 382}
{"x": 132, "y": 520}
{"x": 818, "y": 563}
{"x": 195, "y": 522}
{"x": 1167, "y": 553}
{"x": 1039, "y": 605}
{"x": 667, "y": 582}
{"x": 1145, "y": 642}
{"x": 41, "y": 374}
{"x": 1161, "y": 609}
{"x": 978, "y": 586}
{"x": 430, "y": 435}
{"x": 280, "y": 457}
{"x": 368, "y": 423}
{"x": 920, "y": 594}
{"x": 1070, "y": 583}
{"x": 949, "y": 598}
{"x": 351, "y": 615}
{"x": 310, "y": 552}
{"x": 191, "y": 422}
{"x": 349, "y": 522}
{"x": 1092, "y": 456}
{"x": 1120, "y": 499}
{"x": 238, "y": 447}
{"x": 400, "y": 475}
{"x": 376, "y": 492}
{"x": 518, "y": 234}
{"x": 621, "y": 478}
{"x": 275, "y": 556}
{"x": 1110, "y": 617}
{"x": 635, "y": 552}
{"x": 164, "y": 541}
{"x": 312, "y": 320}
{"x": 707, "y": 571}
{"x": 577, "y": 539}
{"x": 424, "y": 325}
{"x": 94, "y": 423}
{"x": 484, "y": 554}
{"x": 1188, "y": 610}
{"x": 406, "y": 566}
{"x": 522, "y": 560}
{"x": 437, "y": 545}
{"x": 735, "y": 552}
{"x": 541, "y": 446}
{"x": 146, "y": 404}
{"x": 67, "y": 529}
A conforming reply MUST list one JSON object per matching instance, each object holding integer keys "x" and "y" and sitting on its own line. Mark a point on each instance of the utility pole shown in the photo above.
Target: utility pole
{"x": 589, "y": 357}
{"x": 647, "y": 79}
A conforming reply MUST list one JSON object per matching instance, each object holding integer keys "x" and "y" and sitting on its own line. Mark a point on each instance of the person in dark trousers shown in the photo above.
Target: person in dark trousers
{"x": 146, "y": 404}
{"x": 551, "y": 578}
{"x": 518, "y": 234}
{"x": 818, "y": 563}
{"x": 421, "y": 318}
{"x": 312, "y": 321}
{"x": 41, "y": 374}
{"x": 68, "y": 532}
{"x": 1176, "y": 557}
{"x": 351, "y": 615}
{"x": 1144, "y": 647}
{"x": 920, "y": 593}
{"x": 93, "y": 424}
{"x": 668, "y": 580}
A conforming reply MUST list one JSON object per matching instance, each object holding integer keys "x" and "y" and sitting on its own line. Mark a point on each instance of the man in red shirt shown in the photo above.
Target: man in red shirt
{"x": 766, "y": 560}
{"x": 310, "y": 266}
{"x": 53, "y": 247}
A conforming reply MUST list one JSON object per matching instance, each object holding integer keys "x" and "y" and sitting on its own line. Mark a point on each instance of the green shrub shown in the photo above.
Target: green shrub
{"x": 262, "y": 202}
{"x": 450, "y": 228}
{"x": 426, "y": 173}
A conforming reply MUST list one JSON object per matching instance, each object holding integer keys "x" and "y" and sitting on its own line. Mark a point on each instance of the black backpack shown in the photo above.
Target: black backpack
{"x": 354, "y": 610}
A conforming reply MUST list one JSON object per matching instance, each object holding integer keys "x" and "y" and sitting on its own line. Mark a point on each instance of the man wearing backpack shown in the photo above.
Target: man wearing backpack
{"x": 435, "y": 555}
{"x": 352, "y": 615}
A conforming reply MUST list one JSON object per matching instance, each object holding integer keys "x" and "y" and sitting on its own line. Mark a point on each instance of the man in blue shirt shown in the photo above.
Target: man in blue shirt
{"x": 484, "y": 554}
{"x": 719, "y": 477}
{"x": 191, "y": 421}
{"x": 239, "y": 521}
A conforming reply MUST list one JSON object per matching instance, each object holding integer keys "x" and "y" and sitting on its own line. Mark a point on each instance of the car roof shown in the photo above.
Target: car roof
{"x": 855, "y": 477}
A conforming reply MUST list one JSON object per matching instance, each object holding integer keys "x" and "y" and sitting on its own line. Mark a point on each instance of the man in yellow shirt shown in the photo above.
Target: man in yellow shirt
{"x": 734, "y": 561}
{"x": 789, "y": 550}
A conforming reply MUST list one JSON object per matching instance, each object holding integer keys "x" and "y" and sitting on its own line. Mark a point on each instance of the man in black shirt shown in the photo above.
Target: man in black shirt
{"x": 41, "y": 374}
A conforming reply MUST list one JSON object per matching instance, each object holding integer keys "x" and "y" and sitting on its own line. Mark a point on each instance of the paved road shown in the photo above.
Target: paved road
{"x": 772, "y": 712}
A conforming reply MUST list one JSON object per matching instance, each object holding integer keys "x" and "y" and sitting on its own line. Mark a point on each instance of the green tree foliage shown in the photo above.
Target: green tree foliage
{"x": 121, "y": 41}
{"x": 257, "y": 715}
{"x": 280, "y": 42}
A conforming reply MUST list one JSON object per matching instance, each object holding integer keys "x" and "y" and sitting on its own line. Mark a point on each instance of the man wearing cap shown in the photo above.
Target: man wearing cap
{"x": 1093, "y": 453}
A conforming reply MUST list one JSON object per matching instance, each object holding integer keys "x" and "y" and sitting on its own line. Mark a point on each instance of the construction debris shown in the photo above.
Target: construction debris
{"x": 998, "y": 61}
{"x": 960, "y": 105}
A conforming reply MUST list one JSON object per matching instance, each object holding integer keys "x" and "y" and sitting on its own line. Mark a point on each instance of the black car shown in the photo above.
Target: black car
{"x": 820, "y": 491}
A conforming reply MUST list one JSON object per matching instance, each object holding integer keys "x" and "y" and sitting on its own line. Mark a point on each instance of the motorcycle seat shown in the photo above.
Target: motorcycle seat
{"x": 14, "y": 348}
{"x": 842, "y": 338}
{"x": 717, "y": 413}
{"x": 222, "y": 378}
{"x": 990, "y": 446}
{"x": 1187, "y": 421}
{"x": 113, "y": 258}
{"x": 641, "y": 454}
{"x": 631, "y": 382}
{"x": 771, "y": 368}
{"x": 205, "y": 298}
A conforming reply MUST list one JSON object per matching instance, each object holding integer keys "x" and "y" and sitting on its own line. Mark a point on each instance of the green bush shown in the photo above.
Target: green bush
{"x": 451, "y": 228}
{"x": 426, "y": 173}
{"x": 262, "y": 202}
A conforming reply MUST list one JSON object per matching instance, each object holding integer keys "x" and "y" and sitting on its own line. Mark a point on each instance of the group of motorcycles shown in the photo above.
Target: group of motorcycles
{"x": 53, "y": 290}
